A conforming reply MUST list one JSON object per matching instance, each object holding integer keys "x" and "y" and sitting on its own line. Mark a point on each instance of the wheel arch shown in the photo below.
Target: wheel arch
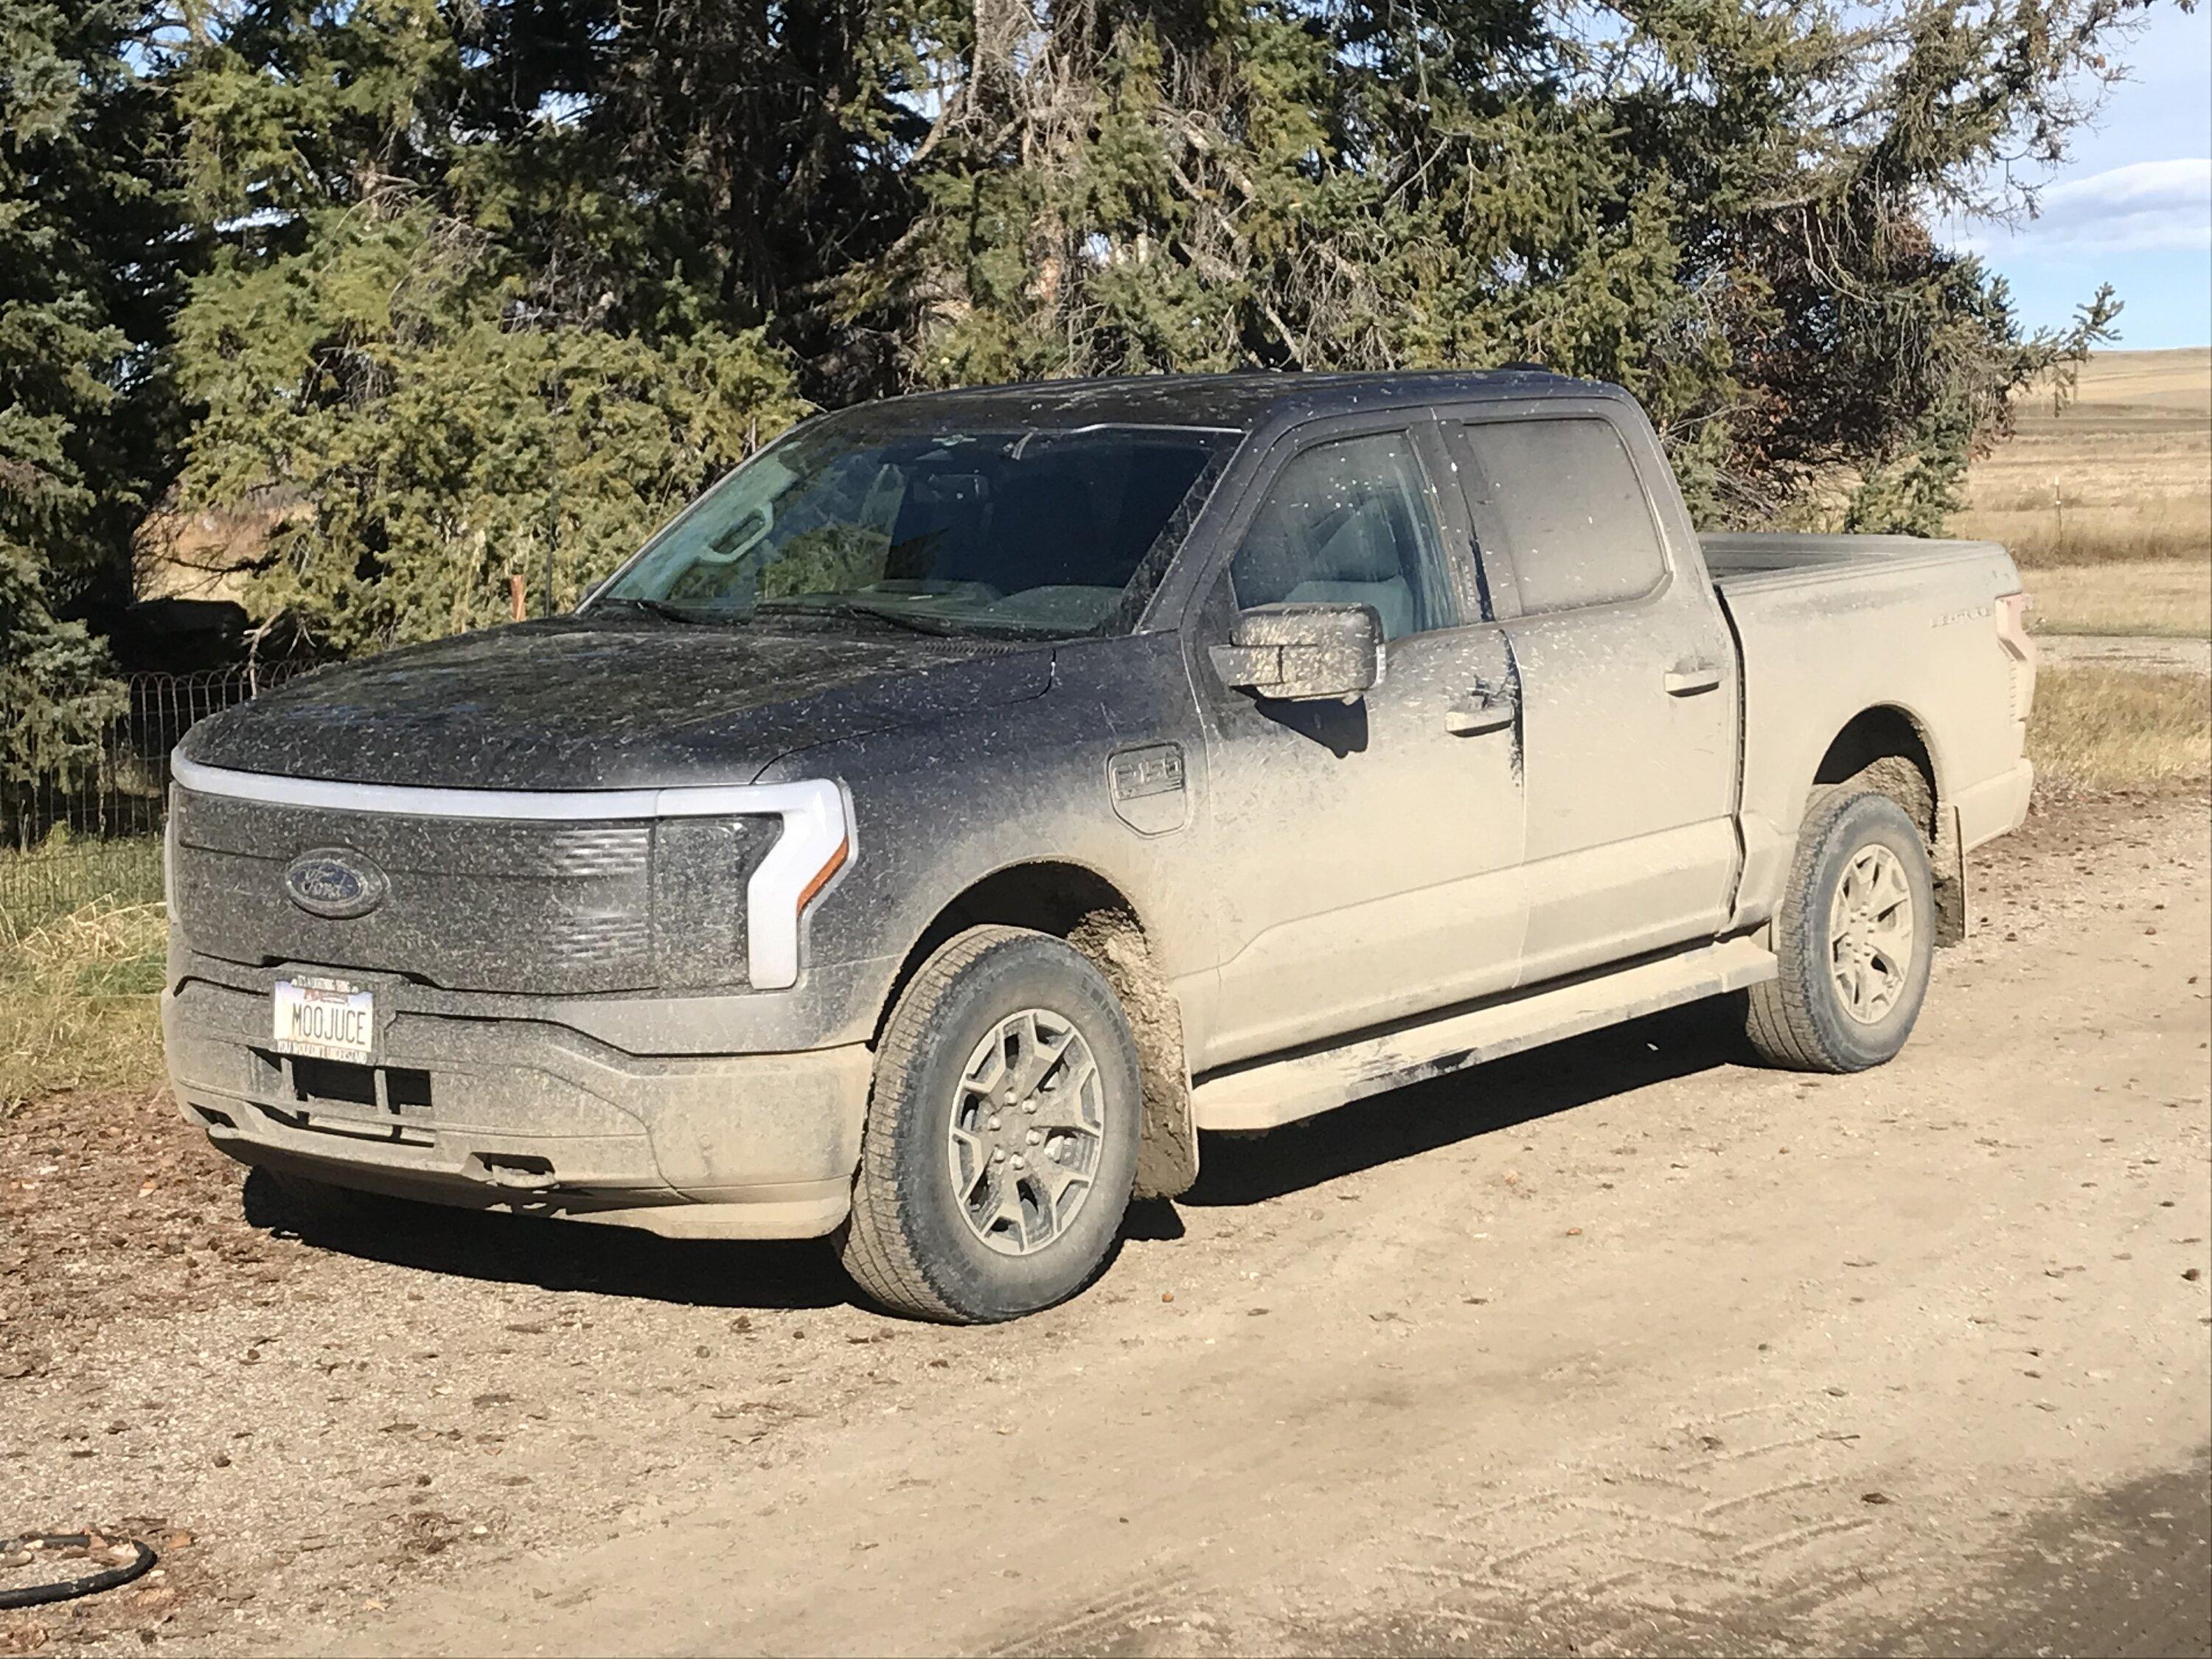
{"x": 1886, "y": 732}
{"x": 1887, "y": 749}
{"x": 1071, "y": 901}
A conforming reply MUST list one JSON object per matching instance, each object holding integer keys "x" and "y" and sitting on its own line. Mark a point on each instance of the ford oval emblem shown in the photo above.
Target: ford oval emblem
{"x": 333, "y": 882}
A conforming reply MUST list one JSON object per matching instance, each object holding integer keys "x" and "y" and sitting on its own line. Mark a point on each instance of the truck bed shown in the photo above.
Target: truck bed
{"x": 1833, "y": 626}
{"x": 1744, "y": 562}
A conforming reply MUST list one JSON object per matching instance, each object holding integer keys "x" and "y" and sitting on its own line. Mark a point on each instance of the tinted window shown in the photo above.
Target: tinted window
{"x": 1034, "y": 531}
{"x": 1561, "y": 500}
{"x": 1349, "y": 522}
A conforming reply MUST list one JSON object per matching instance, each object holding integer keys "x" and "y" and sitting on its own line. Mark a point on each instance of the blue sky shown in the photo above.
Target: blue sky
{"x": 2133, "y": 204}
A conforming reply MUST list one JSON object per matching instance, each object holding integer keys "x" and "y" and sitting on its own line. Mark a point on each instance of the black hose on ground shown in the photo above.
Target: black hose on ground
{"x": 68, "y": 1589}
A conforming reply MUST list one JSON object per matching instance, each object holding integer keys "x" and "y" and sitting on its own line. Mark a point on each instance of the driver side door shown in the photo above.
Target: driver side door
{"x": 1366, "y": 852}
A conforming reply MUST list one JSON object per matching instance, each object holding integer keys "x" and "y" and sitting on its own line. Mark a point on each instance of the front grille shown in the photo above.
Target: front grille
{"x": 622, "y": 850}
{"x": 581, "y": 940}
{"x": 476, "y": 904}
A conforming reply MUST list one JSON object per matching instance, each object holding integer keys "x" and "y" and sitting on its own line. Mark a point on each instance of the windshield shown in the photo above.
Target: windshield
{"x": 1042, "y": 532}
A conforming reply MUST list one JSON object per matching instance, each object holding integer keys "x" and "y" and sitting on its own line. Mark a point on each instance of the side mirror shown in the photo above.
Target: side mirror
{"x": 1301, "y": 653}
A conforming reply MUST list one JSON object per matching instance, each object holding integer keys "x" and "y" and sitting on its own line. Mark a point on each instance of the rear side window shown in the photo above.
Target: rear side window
{"x": 1561, "y": 500}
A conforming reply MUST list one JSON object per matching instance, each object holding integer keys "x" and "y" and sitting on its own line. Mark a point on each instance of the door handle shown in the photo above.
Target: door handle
{"x": 1486, "y": 709}
{"x": 1687, "y": 679}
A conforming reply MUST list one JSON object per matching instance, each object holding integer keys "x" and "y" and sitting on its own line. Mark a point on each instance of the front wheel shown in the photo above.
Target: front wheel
{"x": 1001, "y": 1139}
{"x": 1855, "y": 938}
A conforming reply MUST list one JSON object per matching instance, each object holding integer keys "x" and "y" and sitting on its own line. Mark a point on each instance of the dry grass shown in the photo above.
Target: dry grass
{"x": 2161, "y": 599}
{"x": 2159, "y": 528}
{"x": 64, "y": 873}
{"x": 2100, "y": 728}
{"x": 77, "y": 1002}
{"x": 2124, "y": 474}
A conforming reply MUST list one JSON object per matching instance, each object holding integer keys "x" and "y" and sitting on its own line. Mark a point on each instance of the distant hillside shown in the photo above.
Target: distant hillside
{"x": 2125, "y": 473}
{"x": 2170, "y": 380}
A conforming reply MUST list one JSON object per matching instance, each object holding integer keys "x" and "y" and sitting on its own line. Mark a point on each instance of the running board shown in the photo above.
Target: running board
{"x": 1275, "y": 1092}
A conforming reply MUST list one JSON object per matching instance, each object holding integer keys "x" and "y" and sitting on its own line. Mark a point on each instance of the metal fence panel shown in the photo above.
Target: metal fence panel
{"x": 70, "y": 838}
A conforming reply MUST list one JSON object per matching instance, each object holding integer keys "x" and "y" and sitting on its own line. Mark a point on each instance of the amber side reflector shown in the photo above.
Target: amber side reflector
{"x": 2013, "y": 635}
{"x": 2012, "y": 626}
{"x": 831, "y": 867}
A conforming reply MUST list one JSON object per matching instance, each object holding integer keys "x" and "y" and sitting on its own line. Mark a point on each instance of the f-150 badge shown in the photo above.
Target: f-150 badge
{"x": 1147, "y": 788}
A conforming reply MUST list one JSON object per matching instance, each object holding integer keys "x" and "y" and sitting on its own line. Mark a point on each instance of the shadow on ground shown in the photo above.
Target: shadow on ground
{"x": 1239, "y": 1170}
{"x": 555, "y": 1255}
{"x": 1235, "y": 1171}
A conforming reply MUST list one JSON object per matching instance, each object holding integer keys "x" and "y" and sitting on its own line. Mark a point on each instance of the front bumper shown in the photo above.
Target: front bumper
{"x": 529, "y": 1116}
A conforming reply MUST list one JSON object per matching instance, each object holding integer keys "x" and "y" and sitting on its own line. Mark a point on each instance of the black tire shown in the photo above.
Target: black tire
{"x": 908, "y": 1242}
{"x": 1802, "y": 1020}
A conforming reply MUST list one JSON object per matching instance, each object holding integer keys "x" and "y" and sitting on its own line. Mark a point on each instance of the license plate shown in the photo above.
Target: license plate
{"x": 326, "y": 1018}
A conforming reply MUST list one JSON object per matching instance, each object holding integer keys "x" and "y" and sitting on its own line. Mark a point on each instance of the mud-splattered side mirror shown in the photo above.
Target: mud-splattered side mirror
{"x": 1304, "y": 653}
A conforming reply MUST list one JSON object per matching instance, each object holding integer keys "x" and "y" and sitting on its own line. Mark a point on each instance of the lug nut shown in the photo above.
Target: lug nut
{"x": 999, "y": 1155}
{"x": 994, "y": 1119}
{"x": 1021, "y": 1163}
{"x": 1035, "y": 1135}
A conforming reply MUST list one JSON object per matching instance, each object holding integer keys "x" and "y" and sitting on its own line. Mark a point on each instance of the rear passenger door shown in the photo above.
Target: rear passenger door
{"x": 1628, "y": 684}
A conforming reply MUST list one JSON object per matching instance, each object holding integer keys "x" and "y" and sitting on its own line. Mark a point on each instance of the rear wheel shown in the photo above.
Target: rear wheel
{"x": 1002, "y": 1132}
{"x": 1854, "y": 939}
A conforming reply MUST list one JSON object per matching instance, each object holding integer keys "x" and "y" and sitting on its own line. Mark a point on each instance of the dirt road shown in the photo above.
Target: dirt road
{"x": 1621, "y": 1345}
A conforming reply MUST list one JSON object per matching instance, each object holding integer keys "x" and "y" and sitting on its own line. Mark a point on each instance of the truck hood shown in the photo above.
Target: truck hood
{"x": 579, "y": 703}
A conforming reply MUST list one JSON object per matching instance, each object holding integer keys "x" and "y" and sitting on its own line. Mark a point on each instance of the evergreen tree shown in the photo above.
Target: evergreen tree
{"x": 91, "y": 249}
{"x": 1722, "y": 206}
{"x": 486, "y": 289}
{"x": 434, "y": 350}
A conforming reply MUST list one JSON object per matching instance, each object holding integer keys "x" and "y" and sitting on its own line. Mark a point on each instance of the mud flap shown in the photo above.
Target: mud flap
{"x": 1167, "y": 1158}
{"x": 1948, "y": 857}
{"x": 1167, "y": 1155}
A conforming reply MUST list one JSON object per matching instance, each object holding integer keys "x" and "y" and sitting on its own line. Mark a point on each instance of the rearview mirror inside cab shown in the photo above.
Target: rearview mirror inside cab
{"x": 1303, "y": 653}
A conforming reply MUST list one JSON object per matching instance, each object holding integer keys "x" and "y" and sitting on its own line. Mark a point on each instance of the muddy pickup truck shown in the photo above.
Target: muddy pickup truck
{"x": 975, "y": 795}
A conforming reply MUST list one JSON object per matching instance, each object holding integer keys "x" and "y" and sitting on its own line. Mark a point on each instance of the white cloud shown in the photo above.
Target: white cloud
{"x": 2143, "y": 206}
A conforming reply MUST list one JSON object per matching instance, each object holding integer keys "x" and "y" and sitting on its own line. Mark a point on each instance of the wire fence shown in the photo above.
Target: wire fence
{"x": 92, "y": 832}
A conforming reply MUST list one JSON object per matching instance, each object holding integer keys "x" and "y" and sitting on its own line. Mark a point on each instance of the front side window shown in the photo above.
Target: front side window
{"x": 1030, "y": 532}
{"x": 1349, "y": 522}
{"x": 1560, "y": 500}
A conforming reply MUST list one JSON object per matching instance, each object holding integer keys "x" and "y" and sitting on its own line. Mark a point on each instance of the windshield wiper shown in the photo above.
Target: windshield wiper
{"x": 662, "y": 609}
{"x": 943, "y": 626}
{"x": 849, "y": 608}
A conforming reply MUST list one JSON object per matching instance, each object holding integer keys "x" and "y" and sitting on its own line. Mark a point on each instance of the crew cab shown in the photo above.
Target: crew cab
{"x": 975, "y": 795}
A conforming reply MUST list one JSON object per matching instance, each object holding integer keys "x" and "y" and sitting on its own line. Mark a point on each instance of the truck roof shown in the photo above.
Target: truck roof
{"x": 1247, "y": 401}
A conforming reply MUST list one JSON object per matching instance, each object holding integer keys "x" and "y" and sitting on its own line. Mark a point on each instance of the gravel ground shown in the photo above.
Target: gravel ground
{"x": 1345, "y": 1396}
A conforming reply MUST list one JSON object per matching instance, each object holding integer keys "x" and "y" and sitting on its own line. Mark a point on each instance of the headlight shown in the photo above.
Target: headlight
{"x": 708, "y": 840}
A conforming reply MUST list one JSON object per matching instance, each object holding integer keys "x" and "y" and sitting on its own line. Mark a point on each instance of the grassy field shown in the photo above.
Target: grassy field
{"x": 2123, "y": 473}
{"x": 77, "y": 1002}
{"x": 2107, "y": 506}
{"x": 65, "y": 873}
{"x": 2099, "y": 728}
{"x": 2164, "y": 598}
{"x": 81, "y": 944}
